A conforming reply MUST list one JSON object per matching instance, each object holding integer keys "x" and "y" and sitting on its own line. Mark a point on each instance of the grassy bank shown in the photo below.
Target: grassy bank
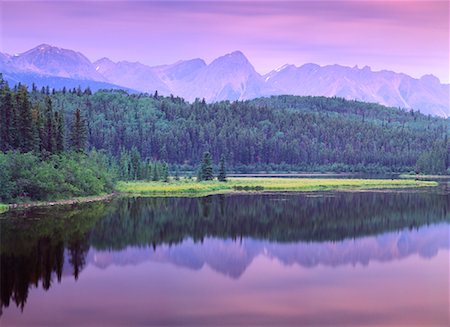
{"x": 3, "y": 207}
{"x": 191, "y": 187}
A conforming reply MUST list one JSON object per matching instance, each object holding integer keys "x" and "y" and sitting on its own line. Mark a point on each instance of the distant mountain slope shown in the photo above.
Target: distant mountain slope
{"x": 230, "y": 77}
{"x": 131, "y": 74}
{"x": 385, "y": 87}
{"x": 59, "y": 82}
{"x": 52, "y": 61}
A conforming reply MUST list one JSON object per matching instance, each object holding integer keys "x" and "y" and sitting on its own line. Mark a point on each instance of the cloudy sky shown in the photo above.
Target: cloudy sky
{"x": 404, "y": 36}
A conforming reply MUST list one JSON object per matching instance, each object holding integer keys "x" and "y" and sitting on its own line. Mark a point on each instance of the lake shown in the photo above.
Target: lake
{"x": 323, "y": 258}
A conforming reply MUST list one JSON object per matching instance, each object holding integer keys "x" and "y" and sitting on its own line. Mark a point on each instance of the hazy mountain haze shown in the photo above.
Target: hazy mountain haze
{"x": 229, "y": 77}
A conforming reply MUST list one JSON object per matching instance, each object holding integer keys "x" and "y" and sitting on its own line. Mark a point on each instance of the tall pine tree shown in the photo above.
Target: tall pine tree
{"x": 25, "y": 135}
{"x": 59, "y": 132}
{"x": 222, "y": 177}
{"x": 49, "y": 141}
{"x": 78, "y": 135}
{"x": 206, "y": 170}
{"x": 7, "y": 128}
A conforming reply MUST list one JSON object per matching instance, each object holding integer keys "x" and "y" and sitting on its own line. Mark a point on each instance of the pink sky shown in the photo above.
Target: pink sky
{"x": 404, "y": 36}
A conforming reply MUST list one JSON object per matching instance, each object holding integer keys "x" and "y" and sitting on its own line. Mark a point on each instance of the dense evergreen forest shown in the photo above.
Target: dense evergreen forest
{"x": 138, "y": 135}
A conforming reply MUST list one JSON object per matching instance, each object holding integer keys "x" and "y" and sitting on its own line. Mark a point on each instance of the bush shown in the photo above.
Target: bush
{"x": 24, "y": 176}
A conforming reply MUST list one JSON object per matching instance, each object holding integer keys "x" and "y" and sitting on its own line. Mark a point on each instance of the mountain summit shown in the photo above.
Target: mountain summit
{"x": 229, "y": 77}
{"x": 53, "y": 61}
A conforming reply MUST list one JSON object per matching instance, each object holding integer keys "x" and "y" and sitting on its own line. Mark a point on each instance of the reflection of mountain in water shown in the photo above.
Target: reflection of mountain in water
{"x": 225, "y": 232}
{"x": 232, "y": 258}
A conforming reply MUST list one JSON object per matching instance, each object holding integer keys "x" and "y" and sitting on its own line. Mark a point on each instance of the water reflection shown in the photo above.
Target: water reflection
{"x": 225, "y": 233}
{"x": 232, "y": 258}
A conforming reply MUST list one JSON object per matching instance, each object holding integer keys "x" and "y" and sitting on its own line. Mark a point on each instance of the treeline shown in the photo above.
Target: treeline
{"x": 43, "y": 151}
{"x": 131, "y": 166}
{"x": 282, "y": 133}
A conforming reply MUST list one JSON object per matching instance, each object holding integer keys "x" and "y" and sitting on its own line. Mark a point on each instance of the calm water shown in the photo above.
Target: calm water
{"x": 344, "y": 258}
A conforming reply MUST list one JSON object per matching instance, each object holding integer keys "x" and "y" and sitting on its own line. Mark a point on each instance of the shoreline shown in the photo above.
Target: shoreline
{"x": 234, "y": 185}
{"x": 77, "y": 200}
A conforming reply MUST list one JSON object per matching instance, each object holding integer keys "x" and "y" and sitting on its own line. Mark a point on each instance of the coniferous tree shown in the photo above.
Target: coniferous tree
{"x": 26, "y": 137}
{"x": 49, "y": 141}
{"x": 59, "y": 132}
{"x": 206, "y": 170}
{"x": 165, "y": 172}
{"x": 155, "y": 169}
{"x": 135, "y": 164}
{"x": 38, "y": 131}
{"x": 78, "y": 135}
{"x": 124, "y": 165}
{"x": 149, "y": 171}
{"x": 222, "y": 177}
{"x": 7, "y": 128}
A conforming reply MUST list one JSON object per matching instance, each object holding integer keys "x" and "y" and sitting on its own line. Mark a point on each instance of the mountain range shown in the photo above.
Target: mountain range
{"x": 229, "y": 77}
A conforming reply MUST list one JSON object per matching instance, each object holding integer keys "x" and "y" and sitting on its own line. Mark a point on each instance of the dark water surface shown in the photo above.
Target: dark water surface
{"x": 334, "y": 258}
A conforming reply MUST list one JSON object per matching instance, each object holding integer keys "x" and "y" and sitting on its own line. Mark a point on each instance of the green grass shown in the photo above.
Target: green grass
{"x": 191, "y": 187}
{"x": 3, "y": 208}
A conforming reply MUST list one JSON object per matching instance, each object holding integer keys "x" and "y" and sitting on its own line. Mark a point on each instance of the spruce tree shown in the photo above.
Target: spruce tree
{"x": 59, "y": 132}
{"x": 155, "y": 176}
{"x": 6, "y": 116}
{"x": 49, "y": 141}
{"x": 25, "y": 131}
{"x": 206, "y": 170}
{"x": 38, "y": 130}
{"x": 165, "y": 172}
{"x": 78, "y": 135}
{"x": 124, "y": 165}
{"x": 222, "y": 177}
{"x": 136, "y": 162}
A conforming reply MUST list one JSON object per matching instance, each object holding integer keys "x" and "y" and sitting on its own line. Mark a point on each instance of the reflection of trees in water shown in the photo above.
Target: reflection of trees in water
{"x": 40, "y": 265}
{"x": 32, "y": 251}
{"x": 281, "y": 218}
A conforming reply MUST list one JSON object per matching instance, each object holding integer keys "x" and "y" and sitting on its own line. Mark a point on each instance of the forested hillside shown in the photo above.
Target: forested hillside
{"x": 277, "y": 133}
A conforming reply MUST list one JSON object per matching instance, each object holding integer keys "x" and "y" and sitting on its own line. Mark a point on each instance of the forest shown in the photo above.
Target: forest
{"x": 147, "y": 136}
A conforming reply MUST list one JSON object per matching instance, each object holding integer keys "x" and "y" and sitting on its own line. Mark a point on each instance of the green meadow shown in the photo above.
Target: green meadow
{"x": 192, "y": 187}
